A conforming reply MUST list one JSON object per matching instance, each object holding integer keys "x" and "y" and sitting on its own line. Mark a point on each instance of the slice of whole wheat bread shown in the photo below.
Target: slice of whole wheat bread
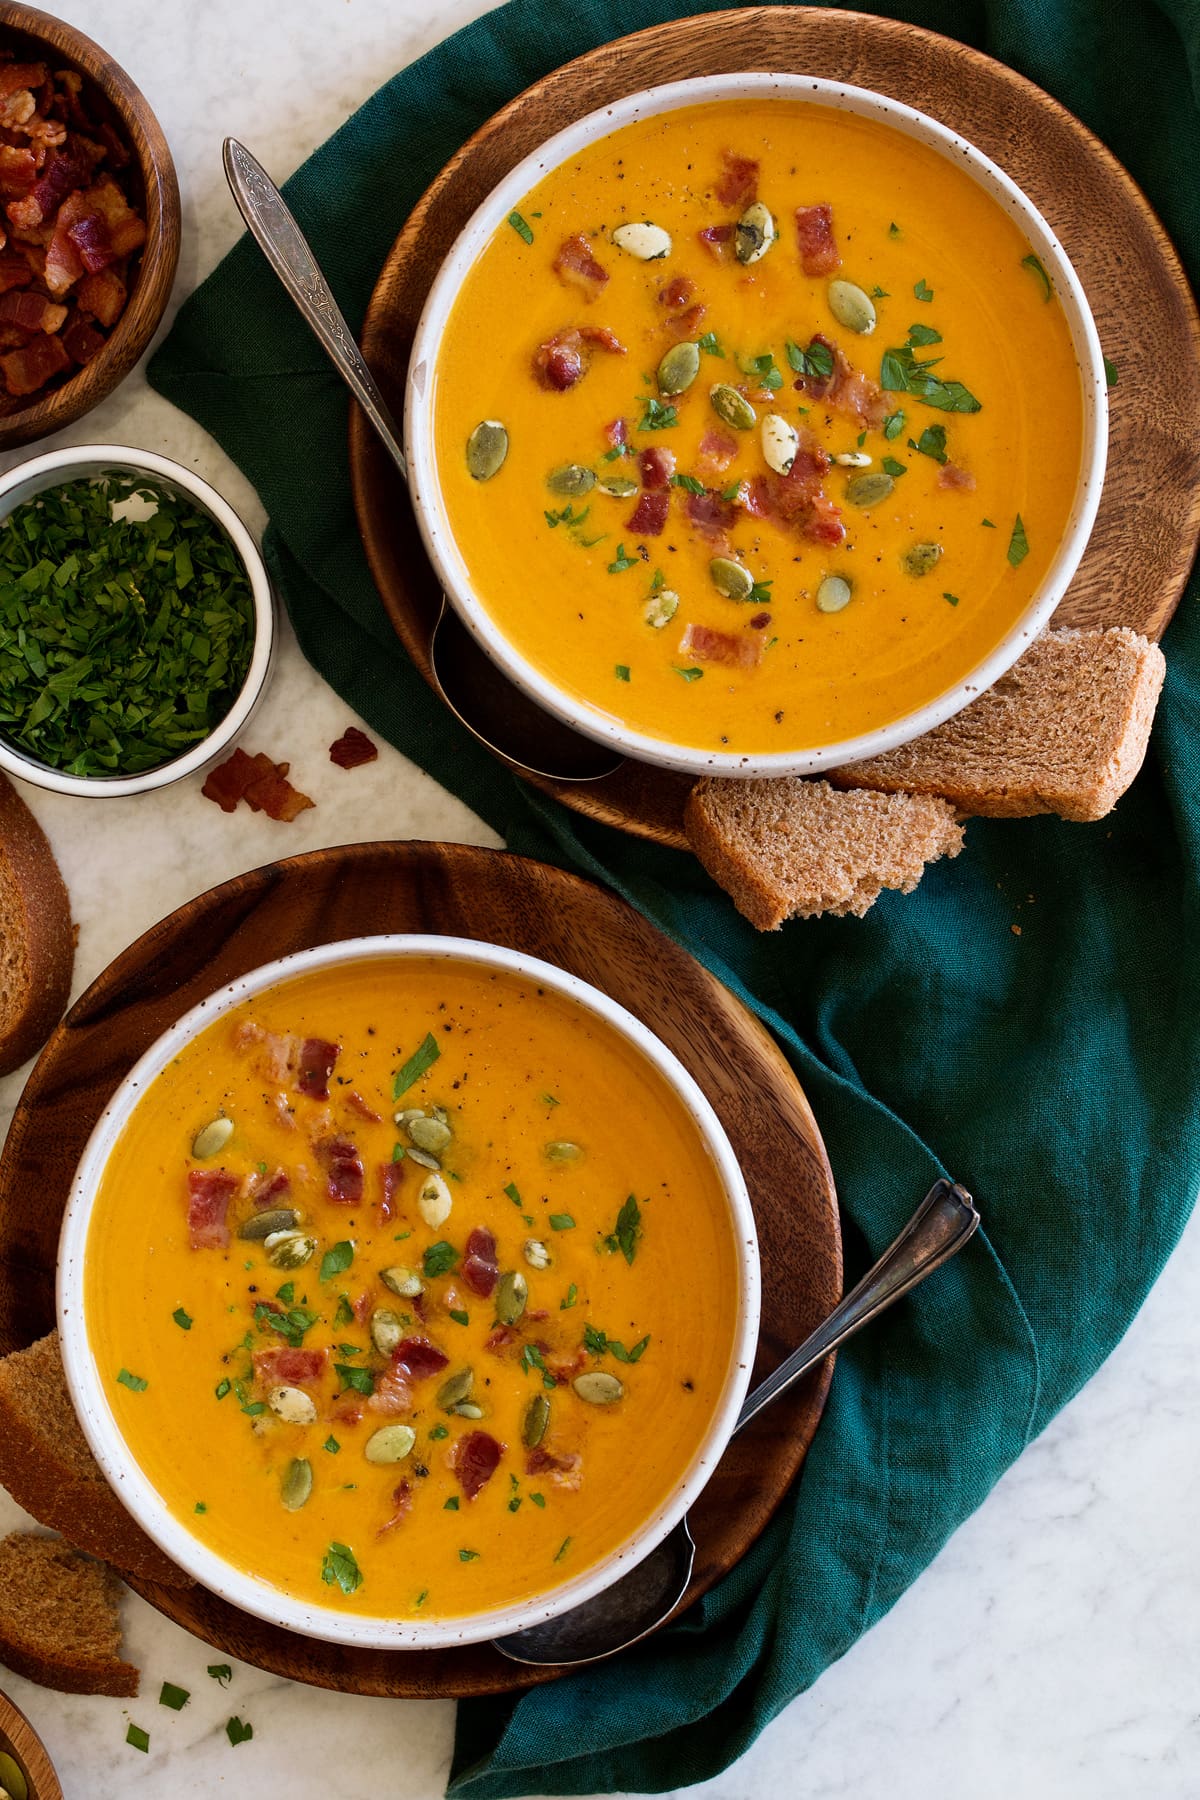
{"x": 60, "y": 1622}
{"x": 1064, "y": 732}
{"x": 37, "y": 943}
{"x": 789, "y": 848}
{"x": 48, "y": 1468}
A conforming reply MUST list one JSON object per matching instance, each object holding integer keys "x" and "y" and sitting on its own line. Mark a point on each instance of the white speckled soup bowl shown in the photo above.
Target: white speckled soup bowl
{"x": 432, "y": 517}
{"x": 172, "y": 1533}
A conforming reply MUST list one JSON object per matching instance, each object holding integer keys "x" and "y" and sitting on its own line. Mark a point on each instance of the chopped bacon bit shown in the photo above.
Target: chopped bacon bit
{"x": 736, "y": 650}
{"x": 715, "y": 238}
{"x": 717, "y": 451}
{"x": 102, "y": 296}
{"x": 390, "y": 1177}
{"x": 293, "y": 1366}
{"x": 560, "y": 362}
{"x": 352, "y": 749}
{"x": 317, "y": 1060}
{"x": 90, "y": 235}
{"x": 760, "y": 621}
{"x": 347, "y": 1408}
{"x": 401, "y": 1502}
{"x": 687, "y": 325}
{"x": 712, "y": 514}
{"x": 845, "y": 390}
{"x": 676, "y": 294}
{"x": 577, "y": 266}
{"x": 357, "y": 1104}
{"x": 819, "y": 254}
{"x": 266, "y": 1189}
{"x": 14, "y": 271}
{"x": 616, "y": 435}
{"x": 656, "y": 467}
{"x": 15, "y": 75}
{"x": 418, "y": 1357}
{"x": 565, "y": 1368}
{"x": 500, "y": 1339}
{"x": 474, "y": 1460}
{"x": 950, "y": 475}
{"x": 63, "y": 265}
{"x": 255, "y": 779}
{"x": 603, "y": 338}
{"x": 209, "y": 1194}
{"x": 30, "y": 312}
{"x": 343, "y": 1170}
{"x": 18, "y": 171}
{"x": 65, "y": 171}
{"x": 564, "y": 1471}
{"x": 649, "y": 516}
{"x": 31, "y": 367}
{"x": 480, "y": 1270}
{"x": 392, "y": 1395}
{"x": 738, "y": 185}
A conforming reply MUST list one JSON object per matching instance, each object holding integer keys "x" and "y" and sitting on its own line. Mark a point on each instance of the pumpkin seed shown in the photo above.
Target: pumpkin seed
{"x": 406, "y": 1115}
{"x": 13, "y": 1777}
{"x": 404, "y": 1282}
{"x": 731, "y": 578}
{"x": 571, "y": 479}
{"x": 733, "y": 407}
{"x": 561, "y": 1152}
{"x": 390, "y": 1445}
{"x": 833, "y": 593}
{"x": 780, "y": 442}
{"x": 851, "y": 307}
{"x": 487, "y": 448}
{"x": 292, "y": 1405}
{"x": 853, "y": 459}
{"x": 869, "y": 490}
{"x": 296, "y": 1485}
{"x": 387, "y": 1329}
{"x": 466, "y": 1409}
{"x": 661, "y": 608}
{"x": 537, "y": 1417}
{"x": 455, "y": 1388}
{"x": 212, "y": 1139}
{"x": 432, "y": 1135}
{"x": 512, "y": 1292}
{"x": 536, "y": 1254}
{"x": 619, "y": 486}
{"x": 423, "y": 1159}
{"x": 679, "y": 368}
{"x": 755, "y": 233}
{"x": 919, "y": 559}
{"x": 434, "y": 1202}
{"x": 597, "y": 1388}
{"x": 289, "y": 1249}
{"x": 642, "y": 239}
{"x": 266, "y": 1224}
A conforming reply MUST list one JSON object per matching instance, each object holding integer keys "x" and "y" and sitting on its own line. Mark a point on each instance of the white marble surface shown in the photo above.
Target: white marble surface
{"x": 1053, "y": 1650}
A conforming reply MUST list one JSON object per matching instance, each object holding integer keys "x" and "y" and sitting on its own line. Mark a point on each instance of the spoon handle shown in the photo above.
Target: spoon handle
{"x": 941, "y": 1225}
{"x": 285, "y": 248}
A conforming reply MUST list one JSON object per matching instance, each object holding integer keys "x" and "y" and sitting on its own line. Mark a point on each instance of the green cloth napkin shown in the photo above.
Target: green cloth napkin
{"x": 1055, "y": 1073}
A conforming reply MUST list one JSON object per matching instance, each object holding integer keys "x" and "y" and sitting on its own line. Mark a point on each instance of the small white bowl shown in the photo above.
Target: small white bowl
{"x": 56, "y": 469}
{"x": 143, "y": 1500}
{"x": 432, "y": 518}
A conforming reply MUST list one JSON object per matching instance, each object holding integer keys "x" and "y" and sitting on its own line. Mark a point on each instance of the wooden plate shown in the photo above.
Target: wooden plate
{"x": 464, "y": 892}
{"x": 18, "y": 1737}
{"x": 1141, "y": 550}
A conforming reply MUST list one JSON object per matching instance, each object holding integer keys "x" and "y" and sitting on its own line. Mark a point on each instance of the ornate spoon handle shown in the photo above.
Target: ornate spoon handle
{"x": 283, "y": 244}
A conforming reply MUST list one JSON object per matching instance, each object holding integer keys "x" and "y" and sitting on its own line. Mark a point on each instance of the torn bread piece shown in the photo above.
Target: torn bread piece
{"x": 37, "y": 941}
{"x": 789, "y": 848}
{"x": 1064, "y": 732}
{"x": 60, "y": 1622}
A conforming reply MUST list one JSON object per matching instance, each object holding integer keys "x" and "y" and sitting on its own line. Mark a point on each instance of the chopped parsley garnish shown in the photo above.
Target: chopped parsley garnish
{"x": 552, "y": 1099}
{"x": 732, "y": 491}
{"x": 440, "y": 1258}
{"x": 451, "y": 1505}
{"x": 893, "y": 425}
{"x": 514, "y": 1193}
{"x": 286, "y": 1293}
{"x": 623, "y": 562}
{"x": 350, "y": 1376}
{"x": 567, "y": 516}
{"x": 221, "y": 1672}
{"x": 222, "y": 1388}
{"x": 200, "y": 1507}
{"x": 893, "y": 468}
{"x": 538, "y": 1499}
{"x": 337, "y": 1259}
{"x": 137, "y": 1384}
{"x": 460, "y": 1318}
{"x": 708, "y": 343}
{"x": 345, "y": 1312}
{"x": 572, "y": 1296}
{"x": 138, "y": 1738}
{"x": 1110, "y": 371}
{"x": 627, "y": 1231}
{"x": 331, "y": 1444}
{"x": 817, "y": 360}
{"x": 878, "y": 293}
{"x": 1037, "y": 270}
{"x": 418, "y": 1064}
{"x": 468, "y": 1556}
{"x": 656, "y": 416}
{"x": 182, "y": 1319}
{"x": 690, "y": 483}
{"x": 688, "y": 674}
{"x": 562, "y": 1549}
{"x": 903, "y": 373}
{"x": 599, "y": 1343}
{"x": 952, "y": 598}
{"x": 893, "y": 229}
{"x": 990, "y": 523}
{"x": 920, "y": 335}
{"x": 1018, "y": 544}
{"x": 532, "y": 1358}
{"x": 397, "y": 1152}
{"x": 764, "y": 371}
{"x": 520, "y": 227}
{"x": 174, "y": 1697}
{"x": 514, "y": 1504}
{"x": 922, "y": 290}
{"x": 932, "y": 442}
{"x": 439, "y": 1432}
{"x": 760, "y": 593}
{"x": 339, "y": 1566}
{"x": 562, "y": 1222}
{"x": 290, "y": 1325}
{"x": 621, "y": 671}
{"x": 238, "y": 1732}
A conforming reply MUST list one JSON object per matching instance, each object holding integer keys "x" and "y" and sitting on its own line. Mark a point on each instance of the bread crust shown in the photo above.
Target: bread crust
{"x": 37, "y": 940}
{"x": 59, "y": 1618}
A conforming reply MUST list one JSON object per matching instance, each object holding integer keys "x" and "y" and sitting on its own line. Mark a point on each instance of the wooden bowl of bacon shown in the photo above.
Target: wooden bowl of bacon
{"x": 89, "y": 226}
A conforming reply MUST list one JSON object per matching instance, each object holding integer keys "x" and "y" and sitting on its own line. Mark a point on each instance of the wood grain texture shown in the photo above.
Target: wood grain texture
{"x": 502, "y": 899}
{"x": 156, "y": 193}
{"x": 18, "y": 1737}
{"x": 1144, "y": 541}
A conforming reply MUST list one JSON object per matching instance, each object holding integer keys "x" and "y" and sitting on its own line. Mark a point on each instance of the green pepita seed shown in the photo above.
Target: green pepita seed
{"x": 731, "y": 578}
{"x": 390, "y": 1445}
{"x": 387, "y": 1329}
{"x": 619, "y": 486}
{"x": 434, "y": 1202}
{"x": 466, "y": 1409}
{"x": 869, "y": 490}
{"x": 571, "y": 479}
{"x": 733, "y": 407}
{"x": 212, "y": 1139}
{"x": 292, "y": 1405}
{"x": 512, "y": 1292}
{"x": 265, "y": 1224}
{"x": 296, "y": 1485}
{"x": 537, "y": 1417}
{"x": 424, "y": 1160}
{"x": 679, "y": 368}
{"x": 430, "y": 1135}
{"x": 561, "y": 1152}
{"x": 455, "y": 1388}
{"x": 404, "y": 1282}
{"x": 661, "y": 608}
{"x": 833, "y": 593}
{"x": 597, "y": 1388}
{"x": 919, "y": 559}
{"x": 851, "y": 307}
{"x": 755, "y": 233}
{"x": 536, "y": 1254}
{"x": 487, "y": 448}
{"x": 13, "y": 1776}
{"x": 289, "y": 1249}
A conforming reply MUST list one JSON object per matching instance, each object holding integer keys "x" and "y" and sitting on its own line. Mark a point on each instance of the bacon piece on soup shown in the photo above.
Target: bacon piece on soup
{"x": 392, "y": 1397}
{"x": 353, "y": 749}
{"x": 268, "y": 1190}
{"x": 814, "y": 232}
{"x": 712, "y": 514}
{"x": 649, "y": 516}
{"x": 356, "y": 1104}
{"x": 717, "y": 451}
{"x": 957, "y": 479}
{"x": 475, "y": 1459}
{"x": 419, "y": 1357}
{"x": 318, "y": 1058}
{"x": 656, "y": 467}
{"x": 845, "y": 390}
{"x": 716, "y": 239}
{"x": 296, "y": 1367}
{"x": 401, "y": 1504}
{"x": 343, "y": 1170}
{"x": 675, "y": 294}
{"x": 576, "y": 265}
{"x": 564, "y": 1471}
{"x": 563, "y": 359}
{"x": 738, "y": 182}
{"x": 390, "y": 1177}
{"x": 480, "y": 1270}
{"x": 734, "y": 649}
{"x": 209, "y": 1194}
{"x": 616, "y": 435}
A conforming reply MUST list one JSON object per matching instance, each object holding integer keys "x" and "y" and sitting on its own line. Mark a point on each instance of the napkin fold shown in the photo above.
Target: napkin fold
{"x": 1055, "y": 1072}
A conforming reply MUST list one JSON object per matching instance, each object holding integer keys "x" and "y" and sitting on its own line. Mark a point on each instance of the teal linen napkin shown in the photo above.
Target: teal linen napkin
{"x": 1056, "y": 1072}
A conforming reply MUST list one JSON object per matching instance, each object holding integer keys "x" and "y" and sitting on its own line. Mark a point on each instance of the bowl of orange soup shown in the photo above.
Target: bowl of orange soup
{"x": 755, "y": 424}
{"x": 408, "y": 1291}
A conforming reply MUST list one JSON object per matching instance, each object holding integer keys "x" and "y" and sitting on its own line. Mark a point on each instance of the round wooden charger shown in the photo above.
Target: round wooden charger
{"x": 18, "y": 1737}
{"x": 1141, "y": 549}
{"x": 500, "y": 899}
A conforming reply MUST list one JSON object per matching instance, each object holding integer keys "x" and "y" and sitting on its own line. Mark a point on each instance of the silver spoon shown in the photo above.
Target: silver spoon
{"x": 475, "y": 690}
{"x": 646, "y": 1597}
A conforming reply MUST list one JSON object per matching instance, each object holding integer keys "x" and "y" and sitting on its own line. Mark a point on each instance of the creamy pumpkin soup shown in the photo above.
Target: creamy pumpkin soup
{"x": 757, "y": 425}
{"x": 412, "y": 1287}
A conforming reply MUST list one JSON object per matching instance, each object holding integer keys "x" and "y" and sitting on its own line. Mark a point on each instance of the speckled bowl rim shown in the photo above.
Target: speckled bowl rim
{"x": 80, "y": 462}
{"x": 138, "y": 1493}
{"x": 420, "y": 389}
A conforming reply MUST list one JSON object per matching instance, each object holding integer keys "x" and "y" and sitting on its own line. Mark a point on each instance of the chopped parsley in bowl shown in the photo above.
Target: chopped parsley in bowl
{"x": 135, "y": 622}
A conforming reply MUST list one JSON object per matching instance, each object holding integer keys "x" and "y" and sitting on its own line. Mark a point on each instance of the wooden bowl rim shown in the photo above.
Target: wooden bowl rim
{"x": 20, "y": 1739}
